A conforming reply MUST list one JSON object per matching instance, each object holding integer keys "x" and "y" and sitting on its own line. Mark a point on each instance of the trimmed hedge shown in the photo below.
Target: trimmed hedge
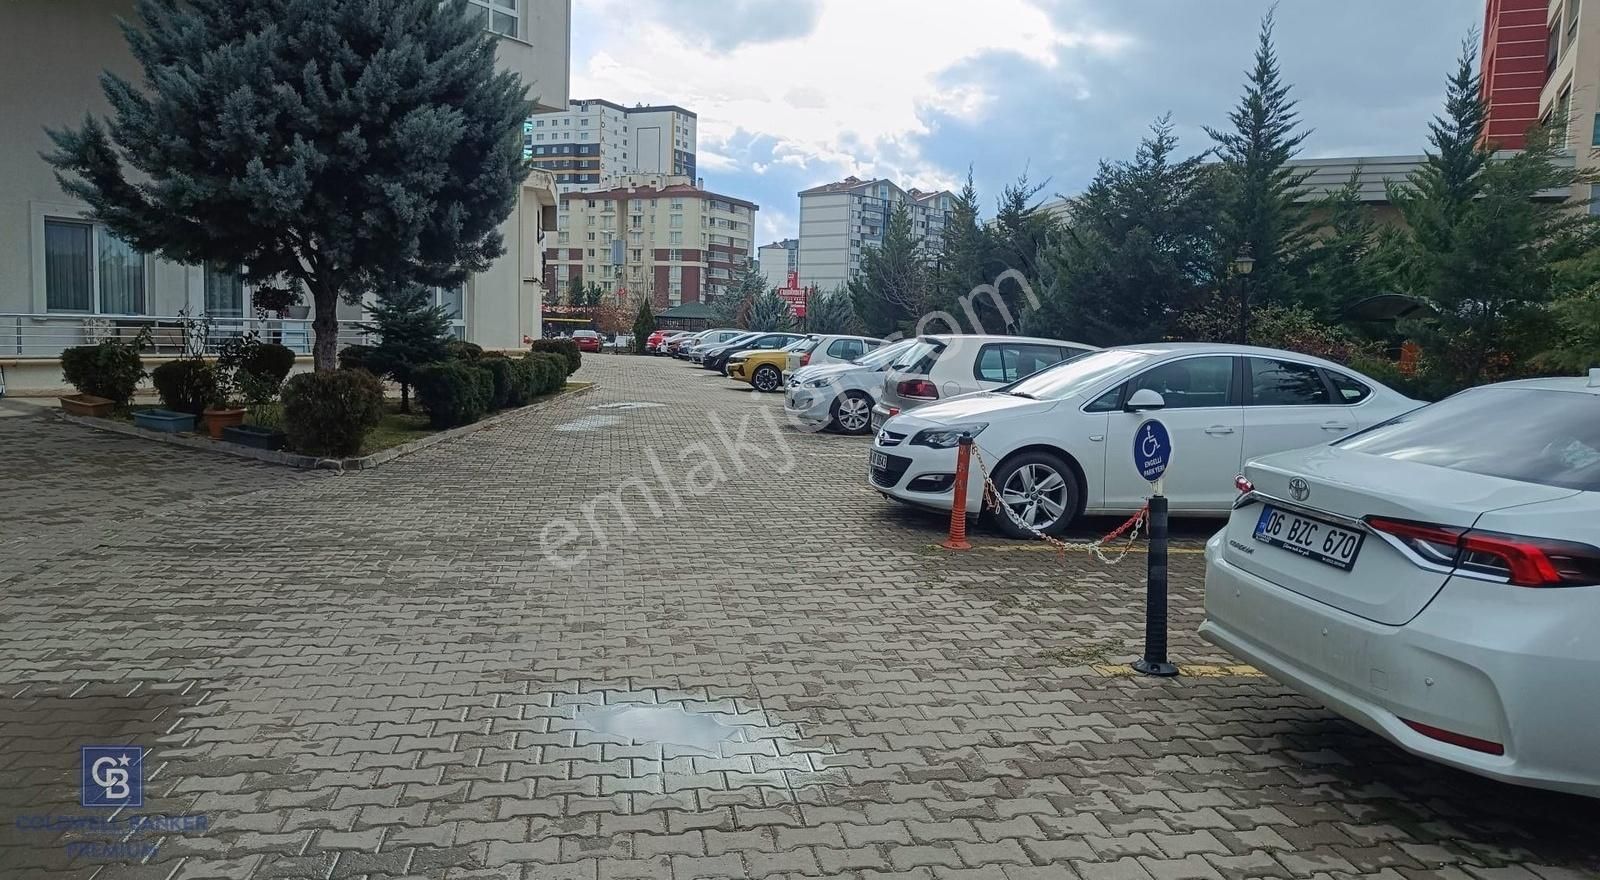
{"x": 109, "y": 369}
{"x": 522, "y": 383}
{"x": 329, "y": 413}
{"x": 187, "y": 385}
{"x": 454, "y": 392}
{"x": 269, "y": 362}
{"x": 502, "y": 374}
{"x": 549, "y": 371}
{"x": 564, "y": 347}
{"x": 461, "y": 350}
{"x": 355, "y": 357}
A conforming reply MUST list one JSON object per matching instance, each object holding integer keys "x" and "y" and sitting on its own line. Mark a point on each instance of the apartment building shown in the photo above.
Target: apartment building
{"x": 778, "y": 260}
{"x": 652, "y": 234}
{"x": 838, "y": 221}
{"x": 66, "y": 279}
{"x": 591, "y": 142}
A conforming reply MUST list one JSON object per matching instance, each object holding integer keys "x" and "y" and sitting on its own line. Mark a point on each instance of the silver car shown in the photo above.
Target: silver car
{"x": 941, "y": 367}
{"x": 840, "y": 396}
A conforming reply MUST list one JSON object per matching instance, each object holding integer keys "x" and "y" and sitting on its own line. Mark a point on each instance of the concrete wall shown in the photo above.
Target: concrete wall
{"x": 542, "y": 52}
{"x": 824, "y": 240}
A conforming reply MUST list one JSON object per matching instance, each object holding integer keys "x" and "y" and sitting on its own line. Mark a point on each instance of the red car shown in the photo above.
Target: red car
{"x": 588, "y": 340}
{"x": 653, "y": 344}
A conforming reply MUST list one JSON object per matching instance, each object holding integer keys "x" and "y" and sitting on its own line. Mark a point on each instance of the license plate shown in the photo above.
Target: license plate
{"x": 879, "y": 460}
{"x": 1309, "y": 537}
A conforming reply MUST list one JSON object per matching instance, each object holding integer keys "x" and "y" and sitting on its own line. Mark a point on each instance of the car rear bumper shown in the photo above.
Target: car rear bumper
{"x": 1515, "y": 669}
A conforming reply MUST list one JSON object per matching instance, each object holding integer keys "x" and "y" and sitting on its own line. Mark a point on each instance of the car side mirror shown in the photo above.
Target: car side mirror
{"x": 1144, "y": 400}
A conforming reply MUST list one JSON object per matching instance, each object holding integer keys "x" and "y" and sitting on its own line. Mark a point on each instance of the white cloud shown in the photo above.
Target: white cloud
{"x": 849, "y": 96}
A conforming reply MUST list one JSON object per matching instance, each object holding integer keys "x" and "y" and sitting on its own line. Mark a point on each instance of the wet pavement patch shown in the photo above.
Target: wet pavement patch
{"x": 658, "y": 725}
{"x": 628, "y": 404}
{"x": 588, "y": 423}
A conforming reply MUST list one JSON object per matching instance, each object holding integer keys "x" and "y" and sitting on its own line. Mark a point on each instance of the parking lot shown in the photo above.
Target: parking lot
{"x": 761, "y": 670}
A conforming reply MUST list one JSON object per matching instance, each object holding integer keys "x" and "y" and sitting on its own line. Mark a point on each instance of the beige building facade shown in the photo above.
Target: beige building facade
{"x": 66, "y": 280}
{"x": 1572, "y": 83}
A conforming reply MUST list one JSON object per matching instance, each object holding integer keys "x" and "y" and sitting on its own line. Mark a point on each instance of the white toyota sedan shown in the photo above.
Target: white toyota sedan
{"x": 1435, "y": 579}
{"x": 1060, "y": 442}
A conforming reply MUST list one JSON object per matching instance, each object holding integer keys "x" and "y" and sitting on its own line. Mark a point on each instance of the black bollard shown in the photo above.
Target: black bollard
{"x": 1154, "y": 661}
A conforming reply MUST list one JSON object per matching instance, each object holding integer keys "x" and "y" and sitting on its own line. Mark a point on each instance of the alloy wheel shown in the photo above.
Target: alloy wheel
{"x": 1036, "y": 495}
{"x": 855, "y": 413}
{"x": 766, "y": 379}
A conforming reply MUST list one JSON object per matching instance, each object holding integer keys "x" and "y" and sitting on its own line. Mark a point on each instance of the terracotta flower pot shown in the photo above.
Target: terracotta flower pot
{"x": 217, "y": 419}
{"x": 87, "y": 405}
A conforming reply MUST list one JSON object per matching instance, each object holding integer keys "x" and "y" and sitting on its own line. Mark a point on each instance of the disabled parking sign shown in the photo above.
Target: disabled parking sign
{"x": 1152, "y": 450}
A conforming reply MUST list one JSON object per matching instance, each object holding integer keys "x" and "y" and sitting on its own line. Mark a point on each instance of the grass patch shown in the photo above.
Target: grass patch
{"x": 398, "y": 428}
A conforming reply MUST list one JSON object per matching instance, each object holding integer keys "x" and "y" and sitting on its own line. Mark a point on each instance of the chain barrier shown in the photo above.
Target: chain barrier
{"x": 991, "y": 495}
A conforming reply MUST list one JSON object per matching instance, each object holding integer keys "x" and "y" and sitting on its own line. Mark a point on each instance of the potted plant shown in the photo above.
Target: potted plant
{"x": 105, "y": 374}
{"x": 258, "y": 370}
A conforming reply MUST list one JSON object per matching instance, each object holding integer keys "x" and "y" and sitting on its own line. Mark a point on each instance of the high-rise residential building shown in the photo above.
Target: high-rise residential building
{"x": 839, "y": 220}
{"x": 593, "y": 141}
{"x": 65, "y": 278}
{"x": 660, "y": 235}
{"x": 778, "y": 260}
{"x": 1572, "y": 54}
{"x": 1516, "y": 58}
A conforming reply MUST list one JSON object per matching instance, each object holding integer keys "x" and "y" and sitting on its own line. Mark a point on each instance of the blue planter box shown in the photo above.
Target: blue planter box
{"x": 250, "y": 435}
{"x": 164, "y": 420}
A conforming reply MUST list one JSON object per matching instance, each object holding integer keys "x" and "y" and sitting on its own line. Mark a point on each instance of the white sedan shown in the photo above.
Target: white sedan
{"x": 1060, "y": 442}
{"x": 1435, "y": 579}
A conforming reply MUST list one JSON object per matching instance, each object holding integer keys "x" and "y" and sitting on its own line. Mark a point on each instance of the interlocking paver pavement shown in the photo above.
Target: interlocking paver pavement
{"x": 765, "y": 671}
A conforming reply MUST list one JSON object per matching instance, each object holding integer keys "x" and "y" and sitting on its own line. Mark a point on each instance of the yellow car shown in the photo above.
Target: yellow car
{"x": 762, "y": 369}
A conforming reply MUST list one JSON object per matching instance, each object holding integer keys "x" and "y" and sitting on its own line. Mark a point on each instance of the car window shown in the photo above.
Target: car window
{"x": 807, "y": 344}
{"x": 1010, "y": 361}
{"x": 1539, "y": 436}
{"x": 1110, "y": 401}
{"x": 888, "y": 354}
{"x": 846, "y": 349}
{"x": 921, "y": 358}
{"x": 1346, "y": 389}
{"x": 1285, "y": 383}
{"x": 1189, "y": 383}
{"x": 1077, "y": 375}
{"x": 872, "y": 344}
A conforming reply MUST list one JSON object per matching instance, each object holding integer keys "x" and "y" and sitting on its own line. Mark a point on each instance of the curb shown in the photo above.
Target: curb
{"x": 311, "y": 462}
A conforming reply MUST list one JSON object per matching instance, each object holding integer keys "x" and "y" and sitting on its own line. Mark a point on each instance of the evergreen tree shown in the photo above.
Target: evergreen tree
{"x": 1021, "y": 229}
{"x": 770, "y": 313}
{"x": 411, "y": 330}
{"x": 832, "y": 312}
{"x": 574, "y": 290}
{"x": 1263, "y": 218}
{"x": 1140, "y": 247}
{"x": 963, "y": 255}
{"x": 893, "y": 287}
{"x": 1481, "y": 246}
{"x": 643, "y": 326}
{"x": 1344, "y": 265}
{"x": 335, "y": 146}
{"x": 730, "y": 310}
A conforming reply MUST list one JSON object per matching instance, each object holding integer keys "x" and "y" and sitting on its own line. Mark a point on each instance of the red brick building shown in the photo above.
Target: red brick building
{"x": 1516, "y": 62}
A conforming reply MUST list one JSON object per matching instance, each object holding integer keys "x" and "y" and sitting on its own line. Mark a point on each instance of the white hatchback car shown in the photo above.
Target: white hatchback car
{"x": 941, "y": 367}
{"x": 1435, "y": 579}
{"x": 820, "y": 349}
{"x": 1060, "y": 443}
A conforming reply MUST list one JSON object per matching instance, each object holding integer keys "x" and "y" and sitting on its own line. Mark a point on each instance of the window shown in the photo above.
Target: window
{"x": 1346, "y": 389}
{"x": 675, "y": 238}
{"x": 1189, "y": 383}
{"x": 82, "y": 260}
{"x": 224, "y": 292}
{"x": 676, "y": 204}
{"x": 846, "y": 349}
{"x": 675, "y": 221}
{"x": 497, "y": 16}
{"x": 1010, "y": 361}
{"x": 1283, "y": 383}
{"x": 1539, "y": 436}
{"x": 561, "y": 237}
{"x": 674, "y": 255}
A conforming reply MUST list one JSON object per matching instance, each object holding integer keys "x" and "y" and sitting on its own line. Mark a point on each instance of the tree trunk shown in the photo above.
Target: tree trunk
{"x": 405, "y": 397}
{"x": 325, "y": 327}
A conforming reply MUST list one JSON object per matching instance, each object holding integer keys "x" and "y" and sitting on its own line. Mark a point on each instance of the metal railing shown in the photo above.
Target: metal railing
{"x": 44, "y": 335}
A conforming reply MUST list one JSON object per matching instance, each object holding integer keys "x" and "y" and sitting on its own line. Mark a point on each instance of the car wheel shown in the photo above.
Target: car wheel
{"x": 767, "y": 378}
{"x": 852, "y": 413}
{"x": 1036, "y": 489}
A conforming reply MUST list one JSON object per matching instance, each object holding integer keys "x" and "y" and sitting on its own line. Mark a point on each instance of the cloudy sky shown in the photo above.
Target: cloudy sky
{"x": 793, "y": 93}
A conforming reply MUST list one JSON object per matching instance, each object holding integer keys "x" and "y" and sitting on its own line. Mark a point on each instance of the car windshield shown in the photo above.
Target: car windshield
{"x": 1074, "y": 376}
{"x": 885, "y": 355}
{"x": 1540, "y": 436}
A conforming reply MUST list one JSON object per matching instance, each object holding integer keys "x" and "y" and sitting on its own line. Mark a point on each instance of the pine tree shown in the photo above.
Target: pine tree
{"x": 831, "y": 312}
{"x": 336, "y": 146}
{"x": 1021, "y": 229}
{"x": 1344, "y": 265}
{"x": 1140, "y": 247}
{"x": 963, "y": 256}
{"x": 411, "y": 330}
{"x": 769, "y": 312}
{"x": 1480, "y": 244}
{"x": 1263, "y": 217}
{"x": 643, "y": 326}
{"x": 575, "y": 290}
{"x": 893, "y": 286}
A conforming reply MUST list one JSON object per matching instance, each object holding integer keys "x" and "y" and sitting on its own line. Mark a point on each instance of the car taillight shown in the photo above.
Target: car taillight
{"x": 1474, "y": 743}
{"x": 1522, "y": 561}
{"x": 1243, "y": 484}
{"x": 805, "y": 359}
{"x": 918, "y": 389}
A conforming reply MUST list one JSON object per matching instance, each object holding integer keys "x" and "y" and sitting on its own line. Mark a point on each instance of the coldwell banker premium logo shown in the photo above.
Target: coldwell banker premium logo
{"x": 112, "y": 776}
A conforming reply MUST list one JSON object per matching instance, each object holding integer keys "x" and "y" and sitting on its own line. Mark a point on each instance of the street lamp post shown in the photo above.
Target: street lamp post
{"x": 1243, "y": 265}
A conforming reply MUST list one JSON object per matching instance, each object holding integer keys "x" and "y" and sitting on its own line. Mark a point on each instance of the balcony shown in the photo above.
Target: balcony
{"x": 44, "y": 335}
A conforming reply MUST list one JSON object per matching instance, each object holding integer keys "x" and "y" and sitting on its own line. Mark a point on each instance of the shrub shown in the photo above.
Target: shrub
{"x": 110, "y": 369}
{"x": 524, "y": 382}
{"x": 461, "y": 350}
{"x": 330, "y": 412}
{"x": 550, "y": 371}
{"x": 500, "y": 373}
{"x": 355, "y": 357}
{"x": 187, "y": 385}
{"x": 453, "y": 392}
{"x": 564, "y": 347}
{"x": 269, "y": 362}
